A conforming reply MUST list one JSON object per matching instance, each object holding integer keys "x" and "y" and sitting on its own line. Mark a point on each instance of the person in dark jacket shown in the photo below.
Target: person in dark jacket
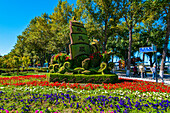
{"x": 135, "y": 70}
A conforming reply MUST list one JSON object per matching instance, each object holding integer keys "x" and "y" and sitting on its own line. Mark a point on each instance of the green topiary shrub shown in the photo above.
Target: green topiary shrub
{"x": 56, "y": 67}
{"x": 82, "y": 78}
{"x": 78, "y": 70}
{"x": 86, "y": 63}
{"x": 6, "y": 74}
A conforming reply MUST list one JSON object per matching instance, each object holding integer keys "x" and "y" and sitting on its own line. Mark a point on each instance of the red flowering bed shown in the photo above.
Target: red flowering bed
{"x": 40, "y": 80}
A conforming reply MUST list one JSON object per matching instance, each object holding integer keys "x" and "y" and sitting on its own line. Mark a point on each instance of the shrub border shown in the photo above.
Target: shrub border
{"x": 82, "y": 78}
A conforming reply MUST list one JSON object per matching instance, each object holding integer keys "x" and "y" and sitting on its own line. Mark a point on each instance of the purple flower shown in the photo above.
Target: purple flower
{"x": 146, "y": 105}
{"x": 77, "y": 105}
{"x": 111, "y": 105}
{"x": 71, "y": 105}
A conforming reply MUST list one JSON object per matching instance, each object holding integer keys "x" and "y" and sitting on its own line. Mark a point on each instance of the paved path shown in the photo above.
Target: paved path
{"x": 148, "y": 78}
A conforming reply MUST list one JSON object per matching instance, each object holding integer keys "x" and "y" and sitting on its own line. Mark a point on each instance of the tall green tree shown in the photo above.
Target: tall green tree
{"x": 164, "y": 7}
{"x": 59, "y": 22}
{"x": 119, "y": 42}
{"x": 100, "y": 16}
{"x": 26, "y": 62}
{"x": 160, "y": 12}
{"x": 132, "y": 12}
{"x": 17, "y": 61}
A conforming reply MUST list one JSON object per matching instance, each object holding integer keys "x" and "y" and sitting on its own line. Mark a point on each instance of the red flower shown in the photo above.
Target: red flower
{"x": 91, "y": 57}
{"x": 67, "y": 58}
{"x": 57, "y": 56}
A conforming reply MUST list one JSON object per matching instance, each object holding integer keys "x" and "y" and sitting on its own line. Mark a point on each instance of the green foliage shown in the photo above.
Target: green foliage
{"x": 62, "y": 70}
{"x": 86, "y": 63}
{"x": 102, "y": 67}
{"x": 10, "y": 74}
{"x": 101, "y": 17}
{"x": 61, "y": 58}
{"x": 86, "y": 72}
{"x": 49, "y": 34}
{"x": 111, "y": 66}
{"x": 77, "y": 62}
{"x": 81, "y": 78}
{"x": 106, "y": 56}
{"x": 78, "y": 70}
{"x": 96, "y": 59}
{"x": 6, "y": 74}
{"x": 55, "y": 67}
{"x": 25, "y": 61}
{"x": 67, "y": 66}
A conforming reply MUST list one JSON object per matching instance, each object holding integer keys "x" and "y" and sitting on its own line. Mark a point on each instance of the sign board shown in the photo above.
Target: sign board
{"x": 147, "y": 49}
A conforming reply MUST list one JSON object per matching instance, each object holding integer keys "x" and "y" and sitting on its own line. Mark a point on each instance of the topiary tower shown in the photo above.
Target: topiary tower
{"x": 84, "y": 55}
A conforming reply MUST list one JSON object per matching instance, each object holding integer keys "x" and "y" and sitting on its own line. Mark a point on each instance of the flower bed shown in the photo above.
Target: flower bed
{"x": 21, "y": 94}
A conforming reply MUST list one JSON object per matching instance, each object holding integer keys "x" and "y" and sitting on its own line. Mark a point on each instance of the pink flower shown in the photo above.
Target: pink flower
{"x": 7, "y": 111}
{"x": 41, "y": 112}
{"x": 36, "y": 111}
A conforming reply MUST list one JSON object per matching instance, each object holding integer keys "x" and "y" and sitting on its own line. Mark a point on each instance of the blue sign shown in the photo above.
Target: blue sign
{"x": 146, "y": 49}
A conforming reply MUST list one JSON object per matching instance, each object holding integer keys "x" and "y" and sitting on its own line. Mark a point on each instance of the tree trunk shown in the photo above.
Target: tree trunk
{"x": 42, "y": 60}
{"x": 143, "y": 57}
{"x": 105, "y": 38}
{"x": 129, "y": 51}
{"x": 67, "y": 49}
{"x": 125, "y": 57}
{"x": 165, "y": 45}
{"x": 17, "y": 70}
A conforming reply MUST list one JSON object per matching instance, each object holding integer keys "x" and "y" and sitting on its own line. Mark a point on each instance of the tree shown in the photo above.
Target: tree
{"x": 132, "y": 12}
{"x": 164, "y": 6}
{"x": 100, "y": 15}
{"x": 26, "y": 62}
{"x": 6, "y": 62}
{"x": 160, "y": 11}
{"x": 119, "y": 44}
{"x": 60, "y": 25}
{"x": 1, "y": 62}
{"x": 18, "y": 62}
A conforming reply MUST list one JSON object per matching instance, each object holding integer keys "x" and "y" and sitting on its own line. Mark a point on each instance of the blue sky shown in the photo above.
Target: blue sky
{"x": 15, "y": 15}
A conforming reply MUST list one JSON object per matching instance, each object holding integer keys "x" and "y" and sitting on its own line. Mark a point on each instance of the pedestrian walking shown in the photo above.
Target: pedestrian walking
{"x": 135, "y": 70}
{"x": 153, "y": 70}
{"x": 141, "y": 68}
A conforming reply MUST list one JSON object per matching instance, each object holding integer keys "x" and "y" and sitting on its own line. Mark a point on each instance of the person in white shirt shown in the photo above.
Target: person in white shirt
{"x": 153, "y": 69}
{"x": 141, "y": 70}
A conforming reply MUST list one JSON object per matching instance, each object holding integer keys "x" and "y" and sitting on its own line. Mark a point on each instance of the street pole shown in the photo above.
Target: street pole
{"x": 156, "y": 67}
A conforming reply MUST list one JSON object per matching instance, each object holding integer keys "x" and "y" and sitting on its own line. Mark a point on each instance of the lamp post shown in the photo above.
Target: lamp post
{"x": 155, "y": 51}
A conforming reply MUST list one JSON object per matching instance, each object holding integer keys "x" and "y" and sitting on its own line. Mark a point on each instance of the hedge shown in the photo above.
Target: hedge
{"x": 42, "y": 69}
{"x": 82, "y": 78}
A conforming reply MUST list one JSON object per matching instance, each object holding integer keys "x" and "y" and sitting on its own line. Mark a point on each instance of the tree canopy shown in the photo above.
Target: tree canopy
{"x": 120, "y": 26}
